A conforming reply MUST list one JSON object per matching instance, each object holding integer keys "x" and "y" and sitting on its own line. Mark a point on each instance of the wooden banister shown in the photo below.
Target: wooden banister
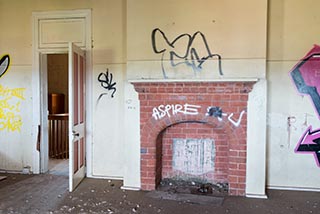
{"x": 58, "y": 136}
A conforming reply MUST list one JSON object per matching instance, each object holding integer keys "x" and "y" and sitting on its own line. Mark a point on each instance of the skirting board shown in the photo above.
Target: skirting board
{"x": 105, "y": 177}
{"x": 256, "y": 196}
{"x": 130, "y": 188}
{"x": 294, "y": 188}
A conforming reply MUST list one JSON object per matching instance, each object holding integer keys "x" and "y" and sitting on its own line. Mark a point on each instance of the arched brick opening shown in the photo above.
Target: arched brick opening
{"x": 169, "y": 104}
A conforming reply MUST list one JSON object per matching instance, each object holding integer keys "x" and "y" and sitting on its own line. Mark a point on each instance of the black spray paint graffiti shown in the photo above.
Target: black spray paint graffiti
{"x": 4, "y": 64}
{"x": 215, "y": 111}
{"x": 190, "y": 56}
{"x": 106, "y": 82}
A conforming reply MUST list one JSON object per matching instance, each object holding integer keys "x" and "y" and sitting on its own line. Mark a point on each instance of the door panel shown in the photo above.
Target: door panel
{"x": 76, "y": 116}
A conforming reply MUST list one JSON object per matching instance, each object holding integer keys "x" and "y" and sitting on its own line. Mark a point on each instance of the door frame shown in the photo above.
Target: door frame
{"x": 39, "y": 84}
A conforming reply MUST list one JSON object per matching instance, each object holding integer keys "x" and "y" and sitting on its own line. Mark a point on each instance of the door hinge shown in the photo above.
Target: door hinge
{"x": 39, "y": 138}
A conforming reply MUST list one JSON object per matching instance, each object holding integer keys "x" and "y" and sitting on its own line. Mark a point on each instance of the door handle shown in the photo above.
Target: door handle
{"x": 75, "y": 134}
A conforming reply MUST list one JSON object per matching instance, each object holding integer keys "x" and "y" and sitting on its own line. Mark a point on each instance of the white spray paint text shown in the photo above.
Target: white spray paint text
{"x": 168, "y": 110}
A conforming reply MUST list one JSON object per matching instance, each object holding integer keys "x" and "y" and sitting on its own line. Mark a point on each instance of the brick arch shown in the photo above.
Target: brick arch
{"x": 151, "y": 133}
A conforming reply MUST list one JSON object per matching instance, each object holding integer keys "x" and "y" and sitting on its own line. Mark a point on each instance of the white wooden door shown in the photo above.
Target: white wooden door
{"x": 77, "y": 148}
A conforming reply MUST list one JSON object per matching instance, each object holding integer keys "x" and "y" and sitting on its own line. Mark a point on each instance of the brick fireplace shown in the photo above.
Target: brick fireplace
{"x": 194, "y": 131}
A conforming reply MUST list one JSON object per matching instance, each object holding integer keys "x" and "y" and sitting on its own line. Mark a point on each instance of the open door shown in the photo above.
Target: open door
{"x": 77, "y": 144}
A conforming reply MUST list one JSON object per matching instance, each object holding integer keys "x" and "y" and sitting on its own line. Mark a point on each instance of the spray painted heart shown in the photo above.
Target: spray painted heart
{"x": 4, "y": 64}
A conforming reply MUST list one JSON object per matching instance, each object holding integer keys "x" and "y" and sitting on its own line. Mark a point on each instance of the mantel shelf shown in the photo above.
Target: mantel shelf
{"x": 194, "y": 80}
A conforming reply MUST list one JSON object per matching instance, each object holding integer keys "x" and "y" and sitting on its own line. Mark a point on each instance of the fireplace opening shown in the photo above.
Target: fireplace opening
{"x": 192, "y": 158}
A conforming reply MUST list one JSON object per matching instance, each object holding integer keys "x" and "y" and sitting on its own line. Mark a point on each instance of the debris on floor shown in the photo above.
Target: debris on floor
{"x": 48, "y": 194}
{"x": 193, "y": 187}
{"x": 3, "y": 178}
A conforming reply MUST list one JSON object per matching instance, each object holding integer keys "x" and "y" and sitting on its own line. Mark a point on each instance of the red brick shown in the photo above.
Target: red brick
{"x": 222, "y": 159}
{"x": 233, "y": 179}
{"x": 242, "y": 166}
{"x": 237, "y": 160}
{"x": 202, "y": 95}
{"x": 237, "y": 172}
{"x": 147, "y": 180}
{"x": 150, "y": 174}
{"x": 152, "y": 162}
{"x": 167, "y": 157}
{"x": 242, "y": 180}
{"x": 233, "y": 153}
{"x": 233, "y": 192}
{"x": 242, "y": 154}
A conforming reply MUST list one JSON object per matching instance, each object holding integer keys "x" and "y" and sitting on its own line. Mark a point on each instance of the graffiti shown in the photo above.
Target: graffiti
{"x": 173, "y": 109}
{"x": 4, "y": 64}
{"x": 190, "y": 55}
{"x": 306, "y": 76}
{"x": 215, "y": 111}
{"x": 168, "y": 110}
{"x": 10, "y": 119}
{"x": 106, "y": 82}
{"x": 236, "y": 123}
{"x": 310, "y": 143}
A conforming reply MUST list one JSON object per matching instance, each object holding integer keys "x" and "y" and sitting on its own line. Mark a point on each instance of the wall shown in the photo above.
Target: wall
{"x": 163, "y": 44}
{"x": 17, "y": 148}
{"x": 58, "y": 76}
{"x": 293, "y": 30}
{"x": 122, "y": 42}
{"x": 226, "y": 25}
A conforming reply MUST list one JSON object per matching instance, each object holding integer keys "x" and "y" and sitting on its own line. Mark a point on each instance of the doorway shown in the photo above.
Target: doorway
{"x": 58, "y": 114}
{"x": 65, "y": 33}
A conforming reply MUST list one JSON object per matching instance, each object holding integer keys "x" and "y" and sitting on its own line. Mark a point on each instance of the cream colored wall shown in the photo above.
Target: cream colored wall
{"x": 234, "y": 29}
{"x": 293, "y": 29}
{"x": 16, "y": 148}
{"x": 108, "y": 35}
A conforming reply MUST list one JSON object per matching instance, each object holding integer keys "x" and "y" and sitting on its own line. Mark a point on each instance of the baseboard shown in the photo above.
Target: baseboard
{"x": 130, "y": 188}
{"x": 257, "y": 196}
{"x": 294, "y": 188}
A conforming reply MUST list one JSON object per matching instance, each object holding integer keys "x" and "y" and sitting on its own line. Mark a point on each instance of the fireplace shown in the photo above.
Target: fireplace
{"x": 195, "y": 131}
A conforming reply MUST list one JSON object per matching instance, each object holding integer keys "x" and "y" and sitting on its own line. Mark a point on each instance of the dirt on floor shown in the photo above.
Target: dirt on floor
{"x": 49, "y": 194}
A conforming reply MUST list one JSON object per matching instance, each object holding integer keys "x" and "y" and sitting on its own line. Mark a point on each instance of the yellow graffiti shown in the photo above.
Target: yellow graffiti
{"x": 10, "y": 119}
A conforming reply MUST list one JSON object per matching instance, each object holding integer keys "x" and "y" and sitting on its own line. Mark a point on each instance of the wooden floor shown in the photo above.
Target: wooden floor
{"x": 48, "y": 194}
{"x": 59, "y": 167}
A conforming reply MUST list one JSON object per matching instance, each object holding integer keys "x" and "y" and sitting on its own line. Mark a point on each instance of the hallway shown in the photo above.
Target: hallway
{"x": 59, "y": 167}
